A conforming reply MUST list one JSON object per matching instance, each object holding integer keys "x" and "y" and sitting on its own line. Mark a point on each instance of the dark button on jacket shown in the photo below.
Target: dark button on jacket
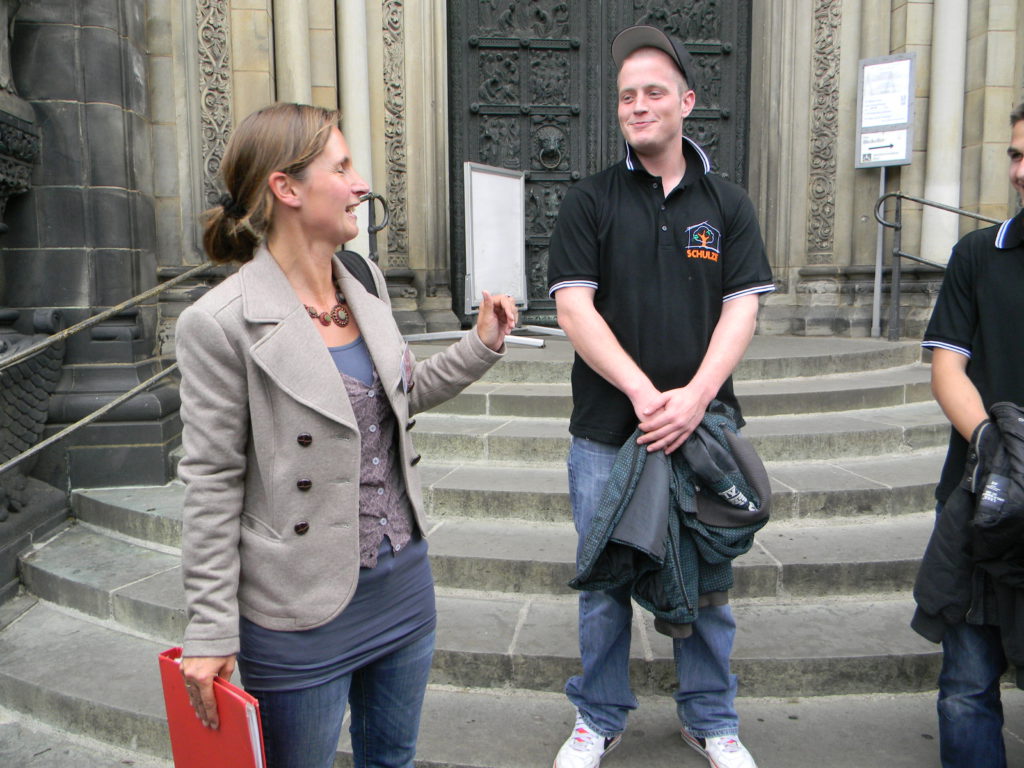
{"x": 301, "y": 528}
{"x": 410, "y": 425}
{"x": 415, "y": 460}
{"x": 304, "y": 484}
{"x": 304, "y": 439}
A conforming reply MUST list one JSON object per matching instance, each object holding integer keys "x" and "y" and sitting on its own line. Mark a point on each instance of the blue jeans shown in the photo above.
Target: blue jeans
{"x": 301, "y": 728}
{"x": 970, "y": 709}
{"x": 602, "y": 694}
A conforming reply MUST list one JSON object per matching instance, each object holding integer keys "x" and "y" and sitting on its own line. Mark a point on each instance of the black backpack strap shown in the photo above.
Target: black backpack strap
{"x": 360, "y": 269}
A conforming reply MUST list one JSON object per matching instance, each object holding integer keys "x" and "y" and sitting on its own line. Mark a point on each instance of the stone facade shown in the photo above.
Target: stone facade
{"x": 815, "y": 208}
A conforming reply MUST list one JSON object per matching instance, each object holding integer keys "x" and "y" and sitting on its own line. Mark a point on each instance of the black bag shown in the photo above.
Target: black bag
{"x": 360, "y": 269}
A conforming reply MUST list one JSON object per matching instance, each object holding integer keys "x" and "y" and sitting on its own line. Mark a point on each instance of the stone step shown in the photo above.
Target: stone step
{"x": 82, "y": 677}
{"x": 59, "y": 669}
{"x": 29, "y": 743}
{"x": 468, "y": 728}
{"x": 884, "y": 485}
{"x": 516, "y": 440}
{"x": 787, "y": 645}
{"x": 782, "y": 648}
{"x": 111, "y": 579}
{"x": 888, "y": 485}
{"x": 767, "y": 357}
{"x": 114, "y": 578}
{"x": 767, "y": 397}
{"x": 787, "y": 559}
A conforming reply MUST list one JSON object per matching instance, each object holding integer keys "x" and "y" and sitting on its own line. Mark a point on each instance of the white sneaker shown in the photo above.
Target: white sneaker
{"x": 584, "y": 748}
{"x": 721, "y": 751}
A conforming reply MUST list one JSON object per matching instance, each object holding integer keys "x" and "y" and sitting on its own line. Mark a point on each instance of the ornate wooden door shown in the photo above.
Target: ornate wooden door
{"x": 532, "y": 88}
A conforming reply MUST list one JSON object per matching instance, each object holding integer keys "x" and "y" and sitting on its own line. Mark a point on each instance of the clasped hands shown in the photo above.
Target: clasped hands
{"x": 668, "y": 418}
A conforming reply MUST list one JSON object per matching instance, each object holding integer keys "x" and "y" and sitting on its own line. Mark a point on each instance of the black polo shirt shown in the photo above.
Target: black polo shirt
{"x": 661, "y": 268}
{"x": 980, "y": 314}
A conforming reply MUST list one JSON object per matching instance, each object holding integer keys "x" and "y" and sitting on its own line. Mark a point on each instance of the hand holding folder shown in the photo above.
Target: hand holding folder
{"x": 237, "y": 743}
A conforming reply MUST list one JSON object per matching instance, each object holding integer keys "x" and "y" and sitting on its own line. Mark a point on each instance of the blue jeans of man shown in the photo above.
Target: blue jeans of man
{"x": 969, "y": 705}
{"x": 301, "y": 727}
{"x": 706, "y": 688}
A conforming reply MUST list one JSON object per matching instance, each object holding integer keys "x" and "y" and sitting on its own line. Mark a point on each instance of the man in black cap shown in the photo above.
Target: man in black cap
{"x": 655, "y": 265}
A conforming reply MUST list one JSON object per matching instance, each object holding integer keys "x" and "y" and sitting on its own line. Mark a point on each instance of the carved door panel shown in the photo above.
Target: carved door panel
{"x": 532, "y": 87}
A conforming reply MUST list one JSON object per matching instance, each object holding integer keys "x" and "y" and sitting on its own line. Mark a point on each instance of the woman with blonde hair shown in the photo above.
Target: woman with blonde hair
{"x": 302, "y": 548}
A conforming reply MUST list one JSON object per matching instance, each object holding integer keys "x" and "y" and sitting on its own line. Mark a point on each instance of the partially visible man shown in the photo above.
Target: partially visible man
{"x": 977, "y": 360}
{"x": 655, "y": 264}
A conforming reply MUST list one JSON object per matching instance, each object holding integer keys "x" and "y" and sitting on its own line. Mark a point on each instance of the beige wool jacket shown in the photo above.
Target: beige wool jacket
{"x": 272, "y": 450}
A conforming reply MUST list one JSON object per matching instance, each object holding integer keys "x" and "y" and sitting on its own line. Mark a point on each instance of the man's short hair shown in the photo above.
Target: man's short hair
{"x": 1017, "y": 115}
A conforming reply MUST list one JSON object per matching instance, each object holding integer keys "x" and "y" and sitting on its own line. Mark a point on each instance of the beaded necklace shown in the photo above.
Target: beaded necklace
{"x": 338, "y": 314}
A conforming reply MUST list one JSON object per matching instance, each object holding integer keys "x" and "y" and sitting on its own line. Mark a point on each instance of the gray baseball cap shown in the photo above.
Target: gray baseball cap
{"x": 644, "y": 36}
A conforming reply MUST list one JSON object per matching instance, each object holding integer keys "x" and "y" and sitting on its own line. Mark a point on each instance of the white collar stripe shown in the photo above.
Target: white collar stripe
{"x": 697, "y": 148}
{"x": 700, "y": 151}
{"x": 1004, "y": 228}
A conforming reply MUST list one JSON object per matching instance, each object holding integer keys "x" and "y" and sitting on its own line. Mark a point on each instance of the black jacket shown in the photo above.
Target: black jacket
{"x": 973, "y": 567}
{"x": 671, "y": 526}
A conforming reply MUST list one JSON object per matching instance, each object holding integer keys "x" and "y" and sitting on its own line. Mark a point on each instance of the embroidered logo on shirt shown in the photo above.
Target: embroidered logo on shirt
{"x": 702, "y": 242}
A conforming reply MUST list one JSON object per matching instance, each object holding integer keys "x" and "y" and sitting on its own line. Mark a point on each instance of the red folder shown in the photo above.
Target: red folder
{"x": 237, "y": 743}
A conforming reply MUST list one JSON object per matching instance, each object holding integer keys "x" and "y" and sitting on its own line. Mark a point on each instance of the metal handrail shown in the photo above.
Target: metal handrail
{"x": 89, "y": 322}
{"x": 58, "y": 436}
{"x": 897, "y": 246}
{"x": 85, "y": 324}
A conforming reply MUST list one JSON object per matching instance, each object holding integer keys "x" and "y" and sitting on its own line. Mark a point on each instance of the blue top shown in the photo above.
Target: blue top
{"x": 393, "y": 605}
{"x": 353, "y": 359}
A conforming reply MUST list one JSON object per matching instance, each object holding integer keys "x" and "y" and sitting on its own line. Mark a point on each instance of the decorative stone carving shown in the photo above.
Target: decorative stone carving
{"x": 549, "y": 78}
{"x": 550, "y": 143}
{"x": 706, "y": 134}
{"x": 697, "y": 21}
{"x": 537, "y": 274}
{"x": 541, "y": 18}
{"x": 499, "y": 142}
{"x": 19, "y": 148}
{"x": 394, "y": 132}
{"x": 214, "y": 89}
{"x": 19, "y": 138}
{"x": 709, "y": 79}
{"x": 542, "y": 204}
{"x": 824, "y": 132}
{"x": 499, "y": 76}
{"x": 8, "y": 10}
{"x": 25, "y": 390}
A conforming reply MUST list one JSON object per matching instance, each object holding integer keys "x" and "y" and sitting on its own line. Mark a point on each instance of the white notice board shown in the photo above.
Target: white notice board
{"x": 885, "y": 111}
{"x": 495, "y": 234}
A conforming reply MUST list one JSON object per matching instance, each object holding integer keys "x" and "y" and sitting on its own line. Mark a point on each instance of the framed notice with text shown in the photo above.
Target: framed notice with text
{"x": 885, "y": 111}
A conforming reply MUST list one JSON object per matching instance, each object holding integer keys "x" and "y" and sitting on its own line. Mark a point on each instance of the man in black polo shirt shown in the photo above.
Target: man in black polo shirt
{"x": 655, "y": 265}
{"x": 975, "y": 338}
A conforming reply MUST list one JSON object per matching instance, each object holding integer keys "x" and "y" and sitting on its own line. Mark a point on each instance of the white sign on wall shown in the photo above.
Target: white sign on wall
{"x": 885, "y": 111}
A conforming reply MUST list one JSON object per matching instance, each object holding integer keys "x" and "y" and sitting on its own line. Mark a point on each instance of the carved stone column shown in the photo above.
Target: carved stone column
{"x": 939, "y": 229}
{"x": 354, "y": 87}
{"x": 427, "y": 134}
{"x": 291, "y": 51}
